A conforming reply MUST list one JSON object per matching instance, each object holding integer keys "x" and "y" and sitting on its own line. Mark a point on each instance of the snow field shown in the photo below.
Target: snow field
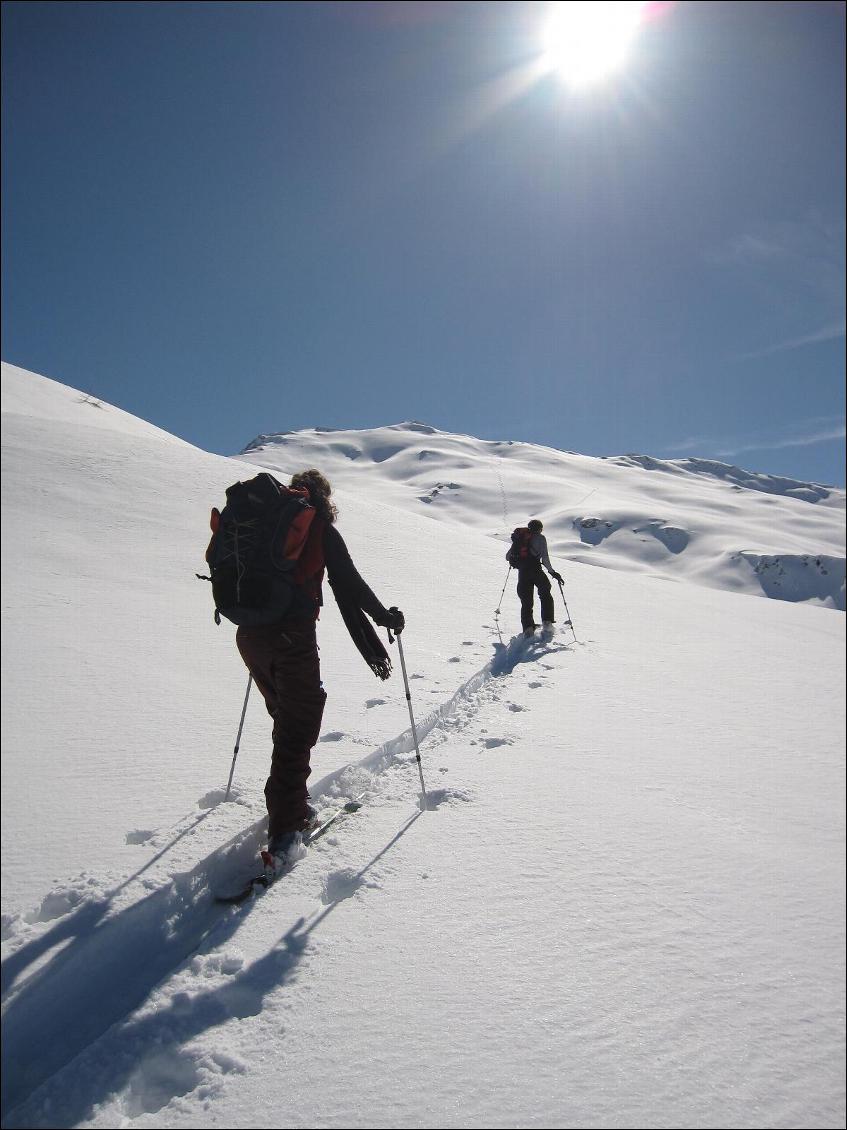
{"x": 625, "y": 906}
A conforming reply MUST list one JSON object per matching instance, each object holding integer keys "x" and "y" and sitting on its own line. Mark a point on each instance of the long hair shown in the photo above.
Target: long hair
{"x": 320, "y": 492}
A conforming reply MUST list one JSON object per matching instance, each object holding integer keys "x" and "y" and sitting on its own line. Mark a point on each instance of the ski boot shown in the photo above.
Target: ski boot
{"x": 281, "y": 849}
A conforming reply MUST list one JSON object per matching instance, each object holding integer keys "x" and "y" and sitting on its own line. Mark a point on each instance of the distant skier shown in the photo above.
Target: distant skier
{"x": 283, "y": 659}
{"x": 530, "y": 556}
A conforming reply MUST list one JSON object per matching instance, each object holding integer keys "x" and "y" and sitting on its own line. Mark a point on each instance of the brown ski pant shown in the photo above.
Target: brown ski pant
{"x": 283, "y": 660}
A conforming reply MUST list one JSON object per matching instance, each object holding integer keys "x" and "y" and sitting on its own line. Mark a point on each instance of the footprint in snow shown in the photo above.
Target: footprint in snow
{"x": 375, "y": 702}
{"x": 217, "y": 796}
{"x": 213, "y": 964}
{"x": 62, "y": 901}
{"x": 237, "y": 795}
{"x": 334, "y": 736}
{"x": 141, "y": 836}
{"x": 341, "y": 885}
{"x": 436, "y": 797}
{"x": 10, "y": 926}
{"x": 160, "y": 1077}
{"x": 493, "y": 743}
{"x": 513, "y": 706}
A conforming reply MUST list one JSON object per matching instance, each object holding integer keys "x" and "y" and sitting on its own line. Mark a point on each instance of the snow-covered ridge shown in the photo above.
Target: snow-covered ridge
{"x": 741, "y": 479}
{"x": 37, "y": 398}
{"x": 697, "y": 520}
{"x": 738, "y": 477}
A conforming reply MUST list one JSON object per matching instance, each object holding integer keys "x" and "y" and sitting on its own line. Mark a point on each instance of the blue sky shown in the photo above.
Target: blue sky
{"x": 231, "y": 219}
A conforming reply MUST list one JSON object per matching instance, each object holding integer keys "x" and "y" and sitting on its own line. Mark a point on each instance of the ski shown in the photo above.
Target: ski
{"x": 256, "y": 884}
{"x": 270, "y": 874}
{"x": 325, "y": 822}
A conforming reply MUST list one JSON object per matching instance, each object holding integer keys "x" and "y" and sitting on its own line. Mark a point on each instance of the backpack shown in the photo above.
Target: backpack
{"x": 257, "y": 540}
{"x": 519, "y": 551}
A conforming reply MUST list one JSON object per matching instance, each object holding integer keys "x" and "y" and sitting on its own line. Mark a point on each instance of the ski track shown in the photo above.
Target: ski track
{"x": 118, "y": 957}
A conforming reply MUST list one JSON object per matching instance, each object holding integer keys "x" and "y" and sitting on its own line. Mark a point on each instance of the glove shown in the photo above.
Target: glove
{"x": 557, "y": 577}
{"x": 394, "y": 620}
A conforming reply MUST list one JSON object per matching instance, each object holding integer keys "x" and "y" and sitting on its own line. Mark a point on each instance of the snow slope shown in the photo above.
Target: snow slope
{"x": 623, "y": 906}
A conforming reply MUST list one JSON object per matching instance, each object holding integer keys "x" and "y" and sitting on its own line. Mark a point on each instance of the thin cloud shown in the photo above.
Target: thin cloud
{"x": 797, "y": 270}
{"x": 823, "y": 436}
{"x": 810, "y": 433}
{"x": 826, "y": 333}
{"x": 810, "y": 247}
{"x": 748, "y": 248}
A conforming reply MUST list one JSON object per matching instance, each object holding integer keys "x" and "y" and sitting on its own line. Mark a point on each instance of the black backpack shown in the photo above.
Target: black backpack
{"x": 519, "y": 551}
{"x": 256, "y": 543}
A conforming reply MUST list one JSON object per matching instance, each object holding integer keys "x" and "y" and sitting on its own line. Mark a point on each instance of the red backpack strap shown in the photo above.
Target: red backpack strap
{"x": 214, "y": 526}
{"x": 297, "y": 536}
{"x": 309, "y": 569}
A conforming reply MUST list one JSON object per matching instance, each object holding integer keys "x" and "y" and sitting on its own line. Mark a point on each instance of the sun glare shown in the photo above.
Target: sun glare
{"x": 586, "y": 40}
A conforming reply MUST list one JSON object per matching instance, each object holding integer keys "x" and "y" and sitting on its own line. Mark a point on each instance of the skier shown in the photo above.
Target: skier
{"x": 528, "y": 554}
{"x": 283, "y": 660}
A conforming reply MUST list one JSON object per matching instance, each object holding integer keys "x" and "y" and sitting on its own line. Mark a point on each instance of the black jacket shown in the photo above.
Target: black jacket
{"x": 354, "y": 598}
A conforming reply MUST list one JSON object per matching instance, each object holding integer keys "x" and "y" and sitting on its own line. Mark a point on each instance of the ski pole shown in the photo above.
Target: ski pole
{"x": 569, "y": 622}
{"x": 500, "y": 601}
{"x": 238, "y": 738}
{"x": 424, "y": 798}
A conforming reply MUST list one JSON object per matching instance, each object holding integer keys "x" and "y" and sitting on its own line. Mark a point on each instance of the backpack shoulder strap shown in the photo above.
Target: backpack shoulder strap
{"x": 302, "y": 520}
{"x": 310, "y": 563}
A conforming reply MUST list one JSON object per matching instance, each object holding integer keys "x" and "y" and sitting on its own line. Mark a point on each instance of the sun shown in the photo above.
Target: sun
{"x": 585, "y": 41}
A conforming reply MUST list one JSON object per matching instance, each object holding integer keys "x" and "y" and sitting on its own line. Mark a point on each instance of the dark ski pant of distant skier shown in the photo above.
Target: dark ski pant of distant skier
{"x": 283, "y": 660}
{"x": 530, "y": 578}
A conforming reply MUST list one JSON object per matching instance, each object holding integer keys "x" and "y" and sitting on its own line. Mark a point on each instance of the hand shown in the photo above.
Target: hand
{"x": 557, "y": 577}
{"x": 394, "y": 620}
